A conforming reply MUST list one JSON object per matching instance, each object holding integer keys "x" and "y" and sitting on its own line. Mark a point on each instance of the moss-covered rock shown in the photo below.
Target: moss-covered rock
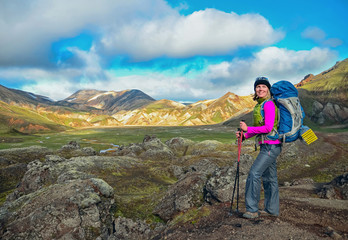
{"x": 186, "y": 193}
{"x": 79, "y": 209}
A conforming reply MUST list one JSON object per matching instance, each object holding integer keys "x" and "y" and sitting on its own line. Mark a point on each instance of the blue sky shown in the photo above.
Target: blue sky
{"x": 179, "y": 50}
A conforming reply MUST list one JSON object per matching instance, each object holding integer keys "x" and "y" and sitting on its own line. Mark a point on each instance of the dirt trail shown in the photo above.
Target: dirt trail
{"x": 300, "y": 218}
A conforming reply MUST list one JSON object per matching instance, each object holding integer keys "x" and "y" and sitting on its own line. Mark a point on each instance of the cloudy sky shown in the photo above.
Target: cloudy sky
{"x": 185, "y": 50}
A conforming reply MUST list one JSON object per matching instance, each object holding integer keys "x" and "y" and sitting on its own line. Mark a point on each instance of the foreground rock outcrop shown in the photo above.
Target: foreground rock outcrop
{"x": 77, "y": 209}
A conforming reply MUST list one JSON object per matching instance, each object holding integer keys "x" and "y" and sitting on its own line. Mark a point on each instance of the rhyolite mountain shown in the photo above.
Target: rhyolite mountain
{"x": 166, "y": 112}
{"x": 108, "y": 101}
{"x": 19, "y": 97}
{"x": 27, "y": 112}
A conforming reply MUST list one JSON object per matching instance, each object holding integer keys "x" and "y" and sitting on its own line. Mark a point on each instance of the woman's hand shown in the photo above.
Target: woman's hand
{"x": 243, "y": 126}
{"x": 239, "y": 134}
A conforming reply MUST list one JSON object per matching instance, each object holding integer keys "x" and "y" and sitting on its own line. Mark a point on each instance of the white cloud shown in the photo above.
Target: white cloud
{"x": 142, "y": 29}
{"x": 207, "y": 32}
{"x": 275, "y": 63}
{"x": 314, "y": 33}
{"x": 30, "y": 27}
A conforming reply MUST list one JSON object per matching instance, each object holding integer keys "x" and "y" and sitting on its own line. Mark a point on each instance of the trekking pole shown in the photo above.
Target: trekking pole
{"x": 236, "y": 179}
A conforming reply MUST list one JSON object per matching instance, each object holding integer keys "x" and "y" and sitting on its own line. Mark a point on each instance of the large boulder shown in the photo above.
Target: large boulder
{"x": 206, "y": 147}
{"x": 73, "y": 149}
{"x": 155, "y": 149}
{"x": 179, "y": 145}
{"x": 332, "y": 112}
{"x": 78, "y": 209}
{"x": 186, "y": 193}
{"x": 220, "y": 185}
{"x": 204, "y": 166}
{"x": 132, "y": 150}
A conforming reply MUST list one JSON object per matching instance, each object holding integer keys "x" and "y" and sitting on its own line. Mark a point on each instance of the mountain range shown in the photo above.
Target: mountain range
{"x": 323, "y": 96}
{"x": 107, "y": 101}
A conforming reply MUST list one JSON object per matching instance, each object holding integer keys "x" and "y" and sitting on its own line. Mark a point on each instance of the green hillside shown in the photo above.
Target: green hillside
{"x": 24, "y": 120}
{"x": 330, "y": 85}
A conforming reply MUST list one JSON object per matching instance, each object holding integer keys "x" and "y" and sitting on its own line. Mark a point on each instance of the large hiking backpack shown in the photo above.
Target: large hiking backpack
{"x": 290, "y": 114}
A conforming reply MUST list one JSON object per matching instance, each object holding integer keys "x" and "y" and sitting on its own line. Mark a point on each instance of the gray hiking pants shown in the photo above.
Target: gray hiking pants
{"x": 265, "y": 166}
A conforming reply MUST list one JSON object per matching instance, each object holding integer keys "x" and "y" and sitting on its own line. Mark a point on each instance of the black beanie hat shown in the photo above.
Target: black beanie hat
{"x": 262, "y": 80}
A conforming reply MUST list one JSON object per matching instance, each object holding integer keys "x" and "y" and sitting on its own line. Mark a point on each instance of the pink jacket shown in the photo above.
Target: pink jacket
{"x": 269, "y": 109}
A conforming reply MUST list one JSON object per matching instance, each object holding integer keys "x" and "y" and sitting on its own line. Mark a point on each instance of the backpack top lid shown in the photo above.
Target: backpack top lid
{"x": 283, "y": 89}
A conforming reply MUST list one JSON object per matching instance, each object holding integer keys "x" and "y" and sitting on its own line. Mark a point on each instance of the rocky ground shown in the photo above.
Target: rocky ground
{"x": 173, "y": 190}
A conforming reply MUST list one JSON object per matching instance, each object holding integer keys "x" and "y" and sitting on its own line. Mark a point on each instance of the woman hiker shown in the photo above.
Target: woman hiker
{"x": 265, "y": 165}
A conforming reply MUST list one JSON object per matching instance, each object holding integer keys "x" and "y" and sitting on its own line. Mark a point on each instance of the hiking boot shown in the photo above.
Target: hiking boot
{"x": 251, "y": 215}
{"x": 267, "y": 214}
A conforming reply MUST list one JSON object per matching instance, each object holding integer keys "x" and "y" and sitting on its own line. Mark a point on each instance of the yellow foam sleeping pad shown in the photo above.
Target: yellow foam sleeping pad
{"x": 309, "y": 136}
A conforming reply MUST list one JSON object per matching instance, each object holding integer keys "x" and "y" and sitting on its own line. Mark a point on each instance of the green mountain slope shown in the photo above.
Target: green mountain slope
{"x": 25, "y": 120}
{"x": 324, "y": 97}
{"x": 330, "y": 85}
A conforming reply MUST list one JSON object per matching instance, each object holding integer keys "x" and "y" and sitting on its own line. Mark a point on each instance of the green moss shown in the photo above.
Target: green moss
{"x": 323, "y": 177}
{"x": 3, "y": 196}
{"x": 193, "y": 216}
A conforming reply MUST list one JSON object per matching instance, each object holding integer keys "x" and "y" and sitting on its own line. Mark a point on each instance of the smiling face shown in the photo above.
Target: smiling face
{"x": 262, "y": 91}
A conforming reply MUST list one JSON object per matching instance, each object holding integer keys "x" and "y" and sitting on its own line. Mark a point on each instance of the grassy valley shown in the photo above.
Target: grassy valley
{"x": 104, "y": 138}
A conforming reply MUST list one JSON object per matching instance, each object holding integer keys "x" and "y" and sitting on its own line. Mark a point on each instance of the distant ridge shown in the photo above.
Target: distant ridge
{"x": 108, "y": 101}
{"x": 14, "y": 96}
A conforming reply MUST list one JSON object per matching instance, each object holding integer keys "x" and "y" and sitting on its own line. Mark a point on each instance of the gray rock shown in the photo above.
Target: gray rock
{"x": 342, "y": 113}
{"x": 89, "y": 151}
{"x": 129, "y": 229}
{"x": 204, "y": 166}
{"x": 186, "y": 193}
{"x": 179, "y": 145}
{"x": 76, "y": 210}
{"x": 153, "y": 143}
{"x": 302, "y": 181}
{"x": 289, "y": 152}
{"x": 155, "y": 149}
{"x": 49, "y": 159}
{"x": 178, "y": 171}
{"x": 321, "y": 118}
{"x": 336, "y": 189}
{"x": 135, "y": 148}
{"x": 317, "y": 108}
{"x": 205, "y": 147}
{"x": 103, "y": 187}
{"x": 72, "y": 174}
{"x": 220, "y": 185}
{"x": 72, "y": 145}
{"x": 158, "y": 154}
